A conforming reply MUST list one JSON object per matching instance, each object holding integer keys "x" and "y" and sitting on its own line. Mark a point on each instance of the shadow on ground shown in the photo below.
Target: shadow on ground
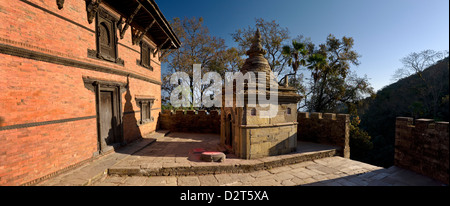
{"x": 393, "y": 176}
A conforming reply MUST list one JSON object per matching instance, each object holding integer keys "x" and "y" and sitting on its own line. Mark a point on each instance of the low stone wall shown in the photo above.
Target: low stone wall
{"x": 423, "y": 147}
{"x": 325, "y": 128}
{"x": 190, "y": 121}
{"x": 321, "y": 128}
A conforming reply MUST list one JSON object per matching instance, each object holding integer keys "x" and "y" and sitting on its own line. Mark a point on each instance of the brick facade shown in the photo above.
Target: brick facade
{"x": 48, "y": 112}
{"x": 423, "y": 147}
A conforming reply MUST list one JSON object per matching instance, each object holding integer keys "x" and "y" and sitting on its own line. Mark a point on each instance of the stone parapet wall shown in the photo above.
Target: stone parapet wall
{"x": 190, "y": 121}
{"x": 423, "y": 147}
{"x": 325, "y": 128}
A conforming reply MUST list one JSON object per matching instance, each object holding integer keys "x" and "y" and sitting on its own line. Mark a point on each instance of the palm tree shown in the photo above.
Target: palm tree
{"x": 316, "y": 63}
{"x": 297, "y": 55}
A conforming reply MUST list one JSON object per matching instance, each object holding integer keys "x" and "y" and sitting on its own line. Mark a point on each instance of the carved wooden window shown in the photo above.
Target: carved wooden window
{"x": 106, "y": 38}
{"x": 146, "y": 105}
{"x": 145, "y": 55}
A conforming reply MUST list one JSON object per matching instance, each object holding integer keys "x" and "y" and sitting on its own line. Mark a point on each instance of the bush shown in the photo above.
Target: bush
{"x": 360, "y": 141}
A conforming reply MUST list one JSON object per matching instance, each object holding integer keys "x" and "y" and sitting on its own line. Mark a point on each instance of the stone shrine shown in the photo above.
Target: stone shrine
{"x": 247, "y": 133}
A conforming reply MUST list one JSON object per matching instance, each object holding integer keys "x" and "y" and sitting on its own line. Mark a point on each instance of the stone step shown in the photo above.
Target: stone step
{"x": 229, "y": 166}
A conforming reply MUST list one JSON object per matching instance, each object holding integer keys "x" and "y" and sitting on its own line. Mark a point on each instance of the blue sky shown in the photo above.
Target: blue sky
{"x": 384, "y": 31}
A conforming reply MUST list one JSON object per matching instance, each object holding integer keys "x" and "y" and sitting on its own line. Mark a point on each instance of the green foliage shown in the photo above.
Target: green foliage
{"x": 408, "y": 97}
{"x": 360, "y": 143}
{"x": 198, "y": 47}
{"x": 332, "y": 82}
{"x": 273, "y": 36}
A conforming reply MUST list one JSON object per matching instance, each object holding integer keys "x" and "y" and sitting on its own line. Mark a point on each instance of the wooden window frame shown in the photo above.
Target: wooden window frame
{"x": 145, "y": 104}
{"x": 105, "y": 19}
{"x": 146, "y": 48}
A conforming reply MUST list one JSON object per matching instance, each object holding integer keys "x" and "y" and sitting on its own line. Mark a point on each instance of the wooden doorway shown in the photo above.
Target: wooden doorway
{"x": 106, "y": 119}
{"x": 109, "y": 119}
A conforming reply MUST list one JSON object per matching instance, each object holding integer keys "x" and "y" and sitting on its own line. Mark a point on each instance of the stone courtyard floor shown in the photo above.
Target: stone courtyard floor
{"x": 330, "y": 171}
{"x": 168, "y": 160}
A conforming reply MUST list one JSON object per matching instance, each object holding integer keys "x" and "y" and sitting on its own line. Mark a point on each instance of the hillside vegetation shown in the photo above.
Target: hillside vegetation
{"x": 424, "y": 95}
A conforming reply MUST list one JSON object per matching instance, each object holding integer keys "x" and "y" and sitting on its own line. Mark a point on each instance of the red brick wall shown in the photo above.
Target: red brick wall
{"x": 49, "y": 116}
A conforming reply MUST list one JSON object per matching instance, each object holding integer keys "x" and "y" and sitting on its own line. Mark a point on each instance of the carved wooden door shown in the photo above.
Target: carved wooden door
{"x": 107, "y": 129}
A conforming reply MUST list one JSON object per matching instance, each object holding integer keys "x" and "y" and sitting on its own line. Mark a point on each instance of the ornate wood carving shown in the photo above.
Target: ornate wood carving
{"x": 106, "y": 35}
{"x": 165, "y": 53}
{"x": 159, "y": 47}
{"x": 145, "y": 104}
{"x": 92, "y": 8}
{"x": 120, "y": 23}
{"x": 60, "y": 4}
{"x": 141, "y": 35}
{"x": 128, "y": 21}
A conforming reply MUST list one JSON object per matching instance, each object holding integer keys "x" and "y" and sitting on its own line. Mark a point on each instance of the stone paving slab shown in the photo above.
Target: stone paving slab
{"x": 92, "y": 171}
{"x": 174, "y": 155}
{"x": 300, "y": 174}
{"x": 318, "y": 171}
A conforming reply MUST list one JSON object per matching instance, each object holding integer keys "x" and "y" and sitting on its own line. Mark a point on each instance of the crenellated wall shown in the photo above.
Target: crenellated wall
{"x": 190, "y": 121}
{"x": 423, "y": 147}
{"x": 325, "y": 128}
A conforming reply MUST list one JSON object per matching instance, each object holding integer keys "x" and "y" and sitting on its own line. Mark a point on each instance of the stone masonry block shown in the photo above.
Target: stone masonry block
{"x": 179, "y": 112}
{"x": 343, "y": 117}
{"x": 442, "y": 127}
{"x": 316, "y": 115}
{"x": 329, "y": 116}
{"x": 303, "y": 115}
{"x": 201, "y": 112}
{"x": 422, "y": 124}
{"x": 166, "y": 111}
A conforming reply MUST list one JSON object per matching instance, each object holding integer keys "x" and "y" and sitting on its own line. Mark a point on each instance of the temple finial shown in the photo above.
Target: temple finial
{"x": 256, "y": 48}
{"x": 258, "y": 35}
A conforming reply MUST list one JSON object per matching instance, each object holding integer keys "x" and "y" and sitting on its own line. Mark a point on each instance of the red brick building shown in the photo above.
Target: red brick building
{"x": 78, "y": 78}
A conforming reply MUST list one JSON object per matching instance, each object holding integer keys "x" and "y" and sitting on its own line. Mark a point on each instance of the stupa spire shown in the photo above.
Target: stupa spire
{"x": 256, "y": 47}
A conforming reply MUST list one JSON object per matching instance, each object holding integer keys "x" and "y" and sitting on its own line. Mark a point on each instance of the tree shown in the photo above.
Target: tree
{"x": 415, "y": 64}
{"x": 331, "y": 83}
{"x": 198, "y": 47}
{"x": 296, "y": 55}
{"x": 273, "y": 36}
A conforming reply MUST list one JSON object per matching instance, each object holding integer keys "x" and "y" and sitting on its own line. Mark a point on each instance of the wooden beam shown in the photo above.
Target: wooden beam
{"x": 165, "y": 53}
{"x": 129, "y": 20}
{"x": 162, "y": 28}
{"x": 160, "y": 46}
{"x": 138, "y": 39}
